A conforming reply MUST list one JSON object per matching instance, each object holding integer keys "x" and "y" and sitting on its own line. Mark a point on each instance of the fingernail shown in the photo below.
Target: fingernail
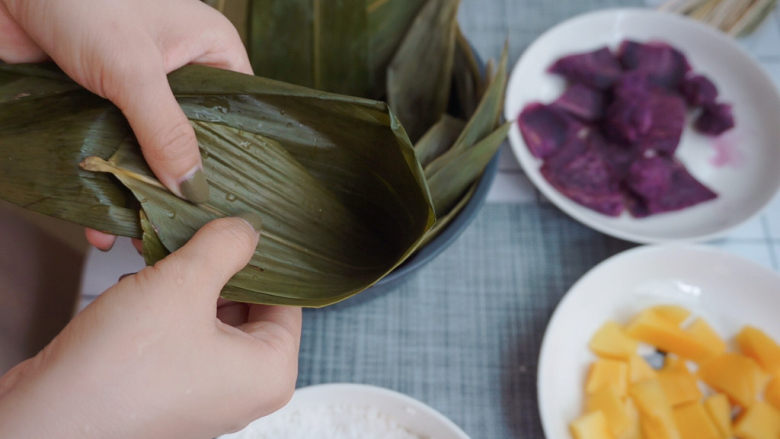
{"x": 195, "y": 188}
{"x": 253, "y": 219}
{"x": 125, "y": 275}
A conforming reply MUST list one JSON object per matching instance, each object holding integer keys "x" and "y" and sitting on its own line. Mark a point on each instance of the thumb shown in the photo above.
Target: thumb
{"x": 214, "y": 254}
{"x": 166, "y": 137}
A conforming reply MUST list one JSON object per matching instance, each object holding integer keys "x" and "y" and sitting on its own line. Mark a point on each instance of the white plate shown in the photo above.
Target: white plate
{"x": 728, "y": 291}
{"x": 751, "y": 175}
{"x": 409, "y": 413}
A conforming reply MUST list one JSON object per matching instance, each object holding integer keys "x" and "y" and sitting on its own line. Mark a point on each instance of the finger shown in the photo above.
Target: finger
{"x": 287, "y": 318}
{"x": 217, "y": 251}
{"x": 99, "y": 240}
{"x": 166, "y": 137}
{"x": 139, "y": 246}
{"x": 15, "y": 45}
{"x": 233, "y": 314}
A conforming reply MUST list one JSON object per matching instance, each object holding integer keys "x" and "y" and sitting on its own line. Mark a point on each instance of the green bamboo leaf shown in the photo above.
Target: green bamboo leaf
{"x": 418, "y": 91}
{"x": 438, "y": 139}
{"x": 314, "y": 43}
{"x": 466, "y": 77}
{"x": 461, "y": 168}
{"x": 388, "y": 23}
{"x": 334, "y": 178}
{"x": 485, "y": 117}
{"x": 444, "y": 221}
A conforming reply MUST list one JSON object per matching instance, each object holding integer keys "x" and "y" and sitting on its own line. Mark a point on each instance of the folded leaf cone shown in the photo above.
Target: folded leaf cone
{"x": 334, "y": 178}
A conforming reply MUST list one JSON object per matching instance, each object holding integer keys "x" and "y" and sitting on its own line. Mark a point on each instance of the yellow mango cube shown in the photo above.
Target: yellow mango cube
{"x": 606, "y": 401}
{"x": 634, "y": 431}
{"x": 760, "y": 421}
{"x": 672, "y": 313}
{"x": 719, "y": 410}
{"x": 738, "y": 376}
{"x": 591, "y": 426}
{"x": 653, "y": 329}
{"x": 693, "y": 422}
{"x": 772, "y": 392}
{"x": 639, "y": 370}
{"x": 703, "y": 332}
{"x": 655, "y": 412}
{"x": 679, "y": 384}
{"x": 754, "y": 343}
{"x": 608, "y": 373}
{"x": 611, "y": 341}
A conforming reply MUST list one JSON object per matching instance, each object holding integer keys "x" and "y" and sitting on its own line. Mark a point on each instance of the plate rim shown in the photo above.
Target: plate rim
{"x": 571, "y": 210}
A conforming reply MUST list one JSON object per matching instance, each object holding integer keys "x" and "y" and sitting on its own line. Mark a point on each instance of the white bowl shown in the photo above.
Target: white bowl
{"x": 728, "y": 291}
{"x": 745, "y": 183}
{"x": 409, "y": 413}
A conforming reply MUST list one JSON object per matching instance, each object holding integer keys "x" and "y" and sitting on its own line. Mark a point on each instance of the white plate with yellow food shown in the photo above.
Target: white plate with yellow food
{"x": 725, "y": 294}
{"x": 351, "y": 411}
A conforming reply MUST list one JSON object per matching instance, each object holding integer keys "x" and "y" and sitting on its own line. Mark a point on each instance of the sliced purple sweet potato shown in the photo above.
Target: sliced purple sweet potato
{"x": 580, "y": 173}
{"x": 619, "y": 157}
{"x": 654, "y": 121}
{"x": 698, "y": 90}
{"x": 664, "y": 64}
{"x": 583, "y": 102}
{"x": 715, "y": 119}
{"x": 545, "y": 128}
{"x": 662, "y": 184}
{"x": 598, "y": 69}
{"x": 633, "y": 83}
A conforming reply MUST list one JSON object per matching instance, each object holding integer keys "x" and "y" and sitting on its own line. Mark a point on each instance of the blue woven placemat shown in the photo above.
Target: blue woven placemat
{"x": 463, "y": 335}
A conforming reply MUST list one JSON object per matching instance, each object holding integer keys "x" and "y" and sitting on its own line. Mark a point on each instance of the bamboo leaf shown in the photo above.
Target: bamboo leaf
{"x": 444, "y": 221}
{"x": 461, "y": 168}
{"x": 485, "y": 117}
{"x": 466, "y": 77}
{"x": 417, "y": 89}
{"x": 334, "y": 178}
{"x": 314, "y": 43}
{"x": 438, "y": 139}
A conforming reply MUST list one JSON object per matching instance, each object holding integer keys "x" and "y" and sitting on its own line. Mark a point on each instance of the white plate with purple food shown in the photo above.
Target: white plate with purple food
{"x": 646, "y": 126}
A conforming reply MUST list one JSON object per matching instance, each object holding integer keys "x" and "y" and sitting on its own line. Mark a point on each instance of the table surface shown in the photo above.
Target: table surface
{"x": 463, "y": 335}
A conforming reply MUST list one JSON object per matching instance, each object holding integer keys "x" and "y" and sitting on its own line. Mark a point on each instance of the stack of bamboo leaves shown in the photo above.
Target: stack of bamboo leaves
{"x": 344, "y": 196}
{"x": 734, "y": 17}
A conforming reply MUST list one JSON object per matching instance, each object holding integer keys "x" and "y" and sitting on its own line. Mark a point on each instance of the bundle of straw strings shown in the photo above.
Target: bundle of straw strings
{"x": 734, "y": 17}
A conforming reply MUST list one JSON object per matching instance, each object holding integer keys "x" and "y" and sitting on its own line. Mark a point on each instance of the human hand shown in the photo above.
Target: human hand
{"x": 122, "y": 50}
{"x": 151, "y": 359}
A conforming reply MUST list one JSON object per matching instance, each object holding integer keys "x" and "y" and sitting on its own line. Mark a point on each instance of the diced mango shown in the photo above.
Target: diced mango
{"x": 608, "y": 373}
{"x": 605, "y": 400}
{"x": 611, "y": 341}
{"x": 760, "y": 421}
{"x": 651, "y": 328}
{"x": 719, "y": 409}
{"x": 693, "y": 422}
{"x": 672, "y": 313}
{"x": 736, "y": 375}
{"x": 639, "y": 370}
{"x": 772, "y": 392}
{"x": 634, "y": 431}
{"x": 679, "y": 384}
{"x": 674, "y": 363}
{"x": 703, "y": 332}
{"x": 591, "y": 426}
{"x": 655, "y": 412}
{"x": 754, "y": 343}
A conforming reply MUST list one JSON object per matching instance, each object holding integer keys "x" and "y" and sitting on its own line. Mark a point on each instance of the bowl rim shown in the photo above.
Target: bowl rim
{"x": 636, "y": 252}
{"x": 572, "y": 210}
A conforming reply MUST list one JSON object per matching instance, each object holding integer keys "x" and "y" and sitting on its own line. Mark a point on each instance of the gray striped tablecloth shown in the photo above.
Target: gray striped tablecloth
{"x": 463, "y": 335}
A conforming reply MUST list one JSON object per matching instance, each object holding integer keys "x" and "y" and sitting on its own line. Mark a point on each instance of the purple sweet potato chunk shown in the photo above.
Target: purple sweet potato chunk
{"x": 654, "y": 121}
{"x": 583, "y": 102}
{"x": 598, "y": 69}
{"x": 545, "y": 128}
{"x": 698, "y": 90}
{"x": 579, "y": 172}
{"x": 619, "y": 157}
{"x": 661, "y": 184}
{"x": 715, "y": 119}
{"x": 634, "y": 83}
{"x": 664, "y": 64}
